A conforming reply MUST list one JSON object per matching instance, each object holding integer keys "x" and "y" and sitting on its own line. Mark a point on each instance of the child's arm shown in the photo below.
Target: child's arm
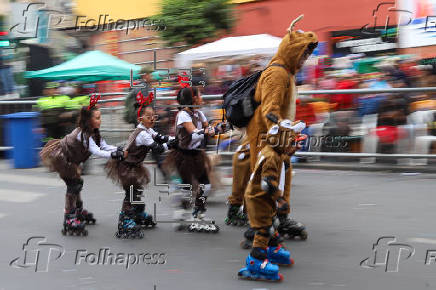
{"x": 94, "y": 149}
{"x": 107, "y": 147}
{"x": 147, "y": 139}
{"x": 158, "y": 137}
{"x": 207, "y": 129}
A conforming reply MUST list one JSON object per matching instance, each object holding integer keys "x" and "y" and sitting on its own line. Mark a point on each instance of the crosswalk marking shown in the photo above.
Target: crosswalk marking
{"x": 12, "y": 195}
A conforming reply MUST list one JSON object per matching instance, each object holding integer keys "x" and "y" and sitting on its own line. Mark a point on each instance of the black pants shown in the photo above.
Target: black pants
{"x": 132, "y": 200}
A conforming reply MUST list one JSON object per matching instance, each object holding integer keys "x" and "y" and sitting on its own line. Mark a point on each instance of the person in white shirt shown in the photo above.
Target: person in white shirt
{"x": 65, "y": 155}
{"x": 189, "y": 158}
{"x": 131, "y": 174}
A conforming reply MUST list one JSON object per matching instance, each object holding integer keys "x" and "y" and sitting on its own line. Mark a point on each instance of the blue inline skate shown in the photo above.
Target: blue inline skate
{"x": 259, "y": 268}
{"x": 279, "y": 255}
{"x": 127, "y": 227}
{"x": 276, "y": 253}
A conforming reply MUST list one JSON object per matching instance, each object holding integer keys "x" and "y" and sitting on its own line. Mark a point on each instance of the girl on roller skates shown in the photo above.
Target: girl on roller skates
{"x": 65, "y": 155}
{"x": 189, "y": 158}
{"x": 131, "y": 174}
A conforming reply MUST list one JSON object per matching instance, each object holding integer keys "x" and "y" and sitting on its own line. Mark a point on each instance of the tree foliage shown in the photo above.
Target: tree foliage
{"x": 192, "y": 22}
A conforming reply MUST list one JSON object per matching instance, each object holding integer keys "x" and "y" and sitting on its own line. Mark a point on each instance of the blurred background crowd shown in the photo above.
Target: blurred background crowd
{"x": 58, "y": 64}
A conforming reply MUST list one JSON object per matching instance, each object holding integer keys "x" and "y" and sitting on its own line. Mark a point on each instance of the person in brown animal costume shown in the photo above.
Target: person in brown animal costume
{"x": 275, "y": 91}
{"x": 264, "y": 191}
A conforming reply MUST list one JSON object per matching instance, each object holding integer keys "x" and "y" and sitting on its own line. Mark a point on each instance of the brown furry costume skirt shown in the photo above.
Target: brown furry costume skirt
{"x": 53, "y": 157}
{"x": 191, "y": 165}
{"x": 127, "y": 174}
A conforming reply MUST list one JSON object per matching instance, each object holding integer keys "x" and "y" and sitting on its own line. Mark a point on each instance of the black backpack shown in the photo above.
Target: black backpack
{"x": 239, "y": 103}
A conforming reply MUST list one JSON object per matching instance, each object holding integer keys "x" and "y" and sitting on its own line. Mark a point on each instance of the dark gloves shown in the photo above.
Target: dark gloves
{"x": 173, "y": 143}
{"x": 119, "y": 155}
{"x": 161, "y": 138}
{"x": 221, "y": 128}
{"x": 157, "y": 148}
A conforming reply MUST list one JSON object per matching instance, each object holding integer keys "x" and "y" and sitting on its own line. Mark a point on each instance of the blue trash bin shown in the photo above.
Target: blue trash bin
{"x": 20, "y": 132}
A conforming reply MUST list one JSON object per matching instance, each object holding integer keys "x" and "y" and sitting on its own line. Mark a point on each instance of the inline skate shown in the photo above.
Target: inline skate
{"x": 127, "y": 227}
{"x": 290, "y": 228}
{"x": 83, "y": 215}
{"x": 259, "y": 268}
{"x": 73, "y": 226}
{"x": 195, "y": 221}
{"x": 142, "y": 218}
{"x": 236, "y": 216}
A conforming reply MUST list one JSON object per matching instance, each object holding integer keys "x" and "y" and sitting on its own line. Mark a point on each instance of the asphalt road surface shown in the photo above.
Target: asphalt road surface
{"x": 388, "y": 218}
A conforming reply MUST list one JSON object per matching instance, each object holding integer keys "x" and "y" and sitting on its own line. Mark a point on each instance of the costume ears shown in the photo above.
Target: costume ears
{"x": 93, "y": 100}
{"x": 291, "y": 27}
{"x": 142, "y": 100}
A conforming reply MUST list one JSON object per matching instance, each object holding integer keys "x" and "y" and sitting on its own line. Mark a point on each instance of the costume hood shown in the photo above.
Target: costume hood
{"x": 292, "y": 47}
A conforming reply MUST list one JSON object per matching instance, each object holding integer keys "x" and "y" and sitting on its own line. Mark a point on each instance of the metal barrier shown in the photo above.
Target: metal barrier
{"x": 369, "y": 91}
{"x": 162, "y": 96}
{"x": 165, "y": 96}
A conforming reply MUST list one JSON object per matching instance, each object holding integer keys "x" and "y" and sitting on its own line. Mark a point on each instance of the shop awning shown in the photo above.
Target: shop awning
{"x": 230, "y": 46}
{"x": 90, "y": 66}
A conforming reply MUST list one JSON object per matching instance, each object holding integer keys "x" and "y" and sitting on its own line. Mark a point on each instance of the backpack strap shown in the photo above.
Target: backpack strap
{"x": 282, "y": 66}
{"x": 132, "y": 138}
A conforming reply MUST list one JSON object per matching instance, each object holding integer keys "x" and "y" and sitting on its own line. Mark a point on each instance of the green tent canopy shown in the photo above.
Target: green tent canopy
{"x": 91, "y": 66}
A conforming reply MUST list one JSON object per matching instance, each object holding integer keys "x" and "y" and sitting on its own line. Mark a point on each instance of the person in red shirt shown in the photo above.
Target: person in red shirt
{"x": 305, "y": 112}
{"x": 344, "y": 101}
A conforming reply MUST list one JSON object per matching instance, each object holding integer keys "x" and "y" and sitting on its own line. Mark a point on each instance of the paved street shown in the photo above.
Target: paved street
{"x": 345, "y": 212}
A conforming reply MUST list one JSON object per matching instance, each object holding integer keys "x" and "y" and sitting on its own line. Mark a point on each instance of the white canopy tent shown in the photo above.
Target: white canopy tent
{"x": 230, "y": 46}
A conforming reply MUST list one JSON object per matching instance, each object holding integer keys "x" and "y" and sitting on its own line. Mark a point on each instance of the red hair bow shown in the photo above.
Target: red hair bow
{"x": 93, "y": 100}
{"x": 143, "y": 100}
{"x": 183, "y": 80}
